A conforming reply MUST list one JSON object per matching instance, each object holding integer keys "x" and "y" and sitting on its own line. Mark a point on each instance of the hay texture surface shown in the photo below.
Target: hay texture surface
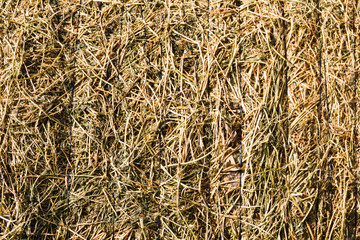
{"x": 139, "y": 81}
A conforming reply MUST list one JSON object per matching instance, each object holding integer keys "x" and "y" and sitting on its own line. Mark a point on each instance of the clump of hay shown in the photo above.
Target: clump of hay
{"x": 121, "y": 104}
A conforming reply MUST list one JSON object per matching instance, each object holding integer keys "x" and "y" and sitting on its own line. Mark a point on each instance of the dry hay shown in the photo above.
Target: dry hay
{"x": 120, "y": 104}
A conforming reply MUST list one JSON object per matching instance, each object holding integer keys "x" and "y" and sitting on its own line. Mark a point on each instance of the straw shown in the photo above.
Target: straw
{"x": 118, "y": 104}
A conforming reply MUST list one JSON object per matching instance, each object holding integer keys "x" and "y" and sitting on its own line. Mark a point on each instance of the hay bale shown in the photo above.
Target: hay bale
{"x": 120, "y": 105}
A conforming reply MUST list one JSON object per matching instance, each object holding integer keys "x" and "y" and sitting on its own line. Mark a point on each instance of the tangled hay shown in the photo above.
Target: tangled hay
{"x": 115, "y": 52}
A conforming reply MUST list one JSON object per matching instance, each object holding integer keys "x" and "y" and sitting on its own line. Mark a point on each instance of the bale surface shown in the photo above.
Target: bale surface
{"x": 171, "y": 70}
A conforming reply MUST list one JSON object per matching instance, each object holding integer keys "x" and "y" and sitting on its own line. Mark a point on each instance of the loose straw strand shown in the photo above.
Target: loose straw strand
{"x": 70, "y": 129}
{"x": 286, "y": 82}
{"x": 120, "y": 40}
{"x": 159, "y": 179}
{"x": 241, "y": 128}
{"x": 328, "y": 140}
{"x": 286, "y": 110}
{"x": 113, "y": 216}
{"x": 319, "y": 59}
{"x": 208, "y": 194}
{"x": 145, "y": 36}
{"x": 355, "y": 119}
{"x": 160, "y": 149}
